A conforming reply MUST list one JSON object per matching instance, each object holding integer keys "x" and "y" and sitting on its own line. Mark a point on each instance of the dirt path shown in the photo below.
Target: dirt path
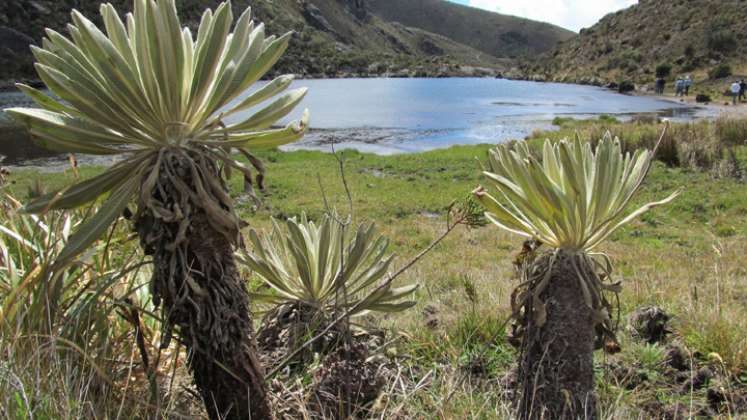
{"x": 719, "y": 108}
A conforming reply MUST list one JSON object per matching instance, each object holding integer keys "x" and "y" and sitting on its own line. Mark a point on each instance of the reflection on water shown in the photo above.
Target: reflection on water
{"x": 389, "y": 116}
{"x": 679, "y": 113}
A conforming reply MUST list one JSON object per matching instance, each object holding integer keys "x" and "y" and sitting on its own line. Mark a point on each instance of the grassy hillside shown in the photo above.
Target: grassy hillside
{"x": 495, "y": 34}
{"x": 351, "y": 41}
{"x": 691, "y": 36}
{"x": 333, "y": 37}
{"x": 448, "y": 357}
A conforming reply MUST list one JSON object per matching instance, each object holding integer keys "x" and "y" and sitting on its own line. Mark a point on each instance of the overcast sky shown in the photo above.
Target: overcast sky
{"x": 570, "y": 14}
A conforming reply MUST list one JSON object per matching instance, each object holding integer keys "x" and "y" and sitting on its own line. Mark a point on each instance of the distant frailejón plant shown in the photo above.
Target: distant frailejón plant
{"x": 570, "y": 199}
{"x": 322, "y": 268}
{"x": 147, "y": 89}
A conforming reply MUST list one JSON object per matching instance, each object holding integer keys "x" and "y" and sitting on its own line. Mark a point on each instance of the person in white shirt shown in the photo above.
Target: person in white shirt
{"x": 688, "y": 85}
{"x": 735, "y": 88}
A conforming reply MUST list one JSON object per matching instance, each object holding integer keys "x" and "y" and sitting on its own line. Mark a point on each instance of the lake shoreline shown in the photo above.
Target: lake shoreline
{"x": 725, "y": 109}
{"x": 383, "y": 142}
{"x": 410, "y": 115}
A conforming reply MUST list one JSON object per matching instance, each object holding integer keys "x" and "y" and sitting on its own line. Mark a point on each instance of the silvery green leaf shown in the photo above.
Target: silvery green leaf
{"x": 267, "y": 139}
{"x": 271, "y": 113}
{"x": 86, "y": 191}
{"x": 265, "y": 92}
{"x": 93, "y": 228}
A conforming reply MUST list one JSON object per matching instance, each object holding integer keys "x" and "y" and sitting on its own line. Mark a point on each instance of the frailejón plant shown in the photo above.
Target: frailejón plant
{"x": 570, "y": 199}
{"x": 149, "y": 90}
{"x": 325, "y": 267}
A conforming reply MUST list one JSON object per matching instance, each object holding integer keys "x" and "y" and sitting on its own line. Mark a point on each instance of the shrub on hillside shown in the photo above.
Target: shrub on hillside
{"x": 630, "y": 66}
{"x": 722, "y": 41}
{"x": 689, "y": 66}
{"x": 720, "y": 71}
{"x": 663, "y": 70}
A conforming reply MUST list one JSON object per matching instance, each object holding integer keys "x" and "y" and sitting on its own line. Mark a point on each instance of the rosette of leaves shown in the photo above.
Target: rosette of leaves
{"x": 150, "y": 90}
{"x": 147, "y": 89}
{"x": 570, "y": 199}
{"x": 326, "y": 267}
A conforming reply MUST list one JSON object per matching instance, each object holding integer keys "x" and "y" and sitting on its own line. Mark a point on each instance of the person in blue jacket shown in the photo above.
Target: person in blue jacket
{"x": 679, "y": 87}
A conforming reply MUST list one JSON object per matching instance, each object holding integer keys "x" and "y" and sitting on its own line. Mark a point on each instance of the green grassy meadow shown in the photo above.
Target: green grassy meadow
{"x": 448, "y": 355}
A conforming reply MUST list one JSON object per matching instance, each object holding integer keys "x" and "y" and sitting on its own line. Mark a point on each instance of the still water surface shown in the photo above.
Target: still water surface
{"x": 388, "y": 116}
{"x": 408, "y": 115}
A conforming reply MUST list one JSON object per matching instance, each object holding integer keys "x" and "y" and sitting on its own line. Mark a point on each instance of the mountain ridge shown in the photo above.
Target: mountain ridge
{"x": 332, "y": 38}
{"x": 507, "y": 36}
{"x": 703, "y": 38}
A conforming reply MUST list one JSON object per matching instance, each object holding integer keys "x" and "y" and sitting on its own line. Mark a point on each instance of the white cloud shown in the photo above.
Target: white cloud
{"x": 570, "y": 14}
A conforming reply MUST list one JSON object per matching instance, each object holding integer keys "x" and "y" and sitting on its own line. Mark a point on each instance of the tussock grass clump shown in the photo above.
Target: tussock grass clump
{"x": 482, "y": 341}
{"x": 720, "y": 338}
{"x": 721, "y": 71}
{"x": 731, "y": 131}
{"x": 66, "y": 329}
{"x": 699, "y": 146}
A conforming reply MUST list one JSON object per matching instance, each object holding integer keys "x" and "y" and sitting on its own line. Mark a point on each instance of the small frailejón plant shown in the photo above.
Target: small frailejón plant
{"x": 147, "y": 89}
{"x": 323, "y": 269}
{"x": 571, "y": 199}
{"x": 323, "y": 275}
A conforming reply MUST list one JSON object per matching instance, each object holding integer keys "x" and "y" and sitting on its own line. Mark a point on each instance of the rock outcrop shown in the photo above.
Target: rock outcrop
{"x": 316, "y": 18}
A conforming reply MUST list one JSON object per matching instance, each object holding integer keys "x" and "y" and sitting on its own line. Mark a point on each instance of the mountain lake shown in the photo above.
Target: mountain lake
{"x": 389, "y": 116}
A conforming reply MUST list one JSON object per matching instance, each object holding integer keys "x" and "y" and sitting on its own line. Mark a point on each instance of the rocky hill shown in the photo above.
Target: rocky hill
{"x": 493, "y": 33}
{"x": 333, "y": 38}
{"x": 705, "y": 38}
{"x": 337, "y": 38}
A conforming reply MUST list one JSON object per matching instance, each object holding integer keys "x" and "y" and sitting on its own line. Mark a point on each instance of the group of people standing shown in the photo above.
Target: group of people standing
{"x": 681, "y": 86}
{"x": 738, "y": 89}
